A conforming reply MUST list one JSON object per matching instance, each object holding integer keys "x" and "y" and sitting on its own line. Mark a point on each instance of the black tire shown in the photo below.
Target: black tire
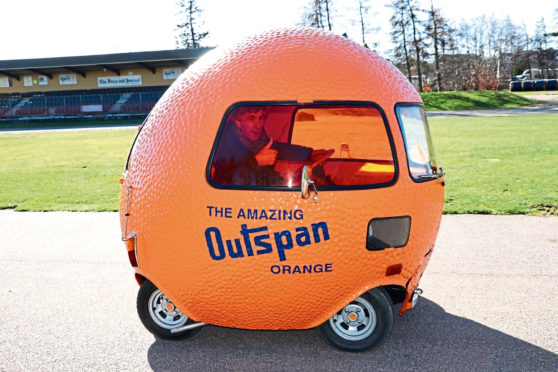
{"x": 161, "y": 322}
{"x": 350, "y": 335}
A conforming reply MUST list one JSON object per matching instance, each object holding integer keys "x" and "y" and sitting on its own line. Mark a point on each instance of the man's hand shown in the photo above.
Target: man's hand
{"x": 267, "y": 155}
{"x": 319, "y": 156}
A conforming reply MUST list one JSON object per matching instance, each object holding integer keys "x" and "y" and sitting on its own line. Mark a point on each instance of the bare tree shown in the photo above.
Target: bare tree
{"x": 527, "y": 47}
{"x": 364, "y": 7}
{"x": 326, "y": 3}
{"x": 481, "y": 53}
{"x": 412, "y": 9}
{"x": 464, "y": 64}
{"x": 447, "y": 49}
{"x": 313, "y": 15}
{"x": 189, "y": 35}
{"x": 480, "y": 44}
{"x": 316, "y": 12}
{"x": 555, "y": 18}
{"x": 437, "y": 30}
{"x": 540, "y": 43}
{"x": 399, "y": 34}
{"x": 511, "y": 46}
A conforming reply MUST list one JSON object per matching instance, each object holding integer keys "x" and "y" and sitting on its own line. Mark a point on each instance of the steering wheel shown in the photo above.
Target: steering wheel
{"x": 289, "y": 169}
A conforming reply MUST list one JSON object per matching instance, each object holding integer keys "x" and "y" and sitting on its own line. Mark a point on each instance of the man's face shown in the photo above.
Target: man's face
{"x": 251, "y": 123}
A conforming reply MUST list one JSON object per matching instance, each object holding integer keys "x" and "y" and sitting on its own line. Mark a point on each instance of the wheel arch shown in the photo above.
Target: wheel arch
{"x": 396, "y": 293}
{"x": 140, "y": 278}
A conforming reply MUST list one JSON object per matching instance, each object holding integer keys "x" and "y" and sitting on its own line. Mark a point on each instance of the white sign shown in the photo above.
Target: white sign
{"x": 68, "y": 79}
{"x": 119, "y": 81}
{"x": 5, "y": 82}
{"x": 28, "y": 81}
{"x": 91, "y": 108}
{"x": 171, "y": 73}
{"x": 43, "y": 80}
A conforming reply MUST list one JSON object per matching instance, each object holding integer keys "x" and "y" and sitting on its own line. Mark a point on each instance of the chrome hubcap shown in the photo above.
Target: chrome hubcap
{"x": 356, "y": 321}
{"x": 164, "y": 313}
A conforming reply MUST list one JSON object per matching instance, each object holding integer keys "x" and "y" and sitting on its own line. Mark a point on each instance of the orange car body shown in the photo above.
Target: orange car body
{"x": 174, "y": 219}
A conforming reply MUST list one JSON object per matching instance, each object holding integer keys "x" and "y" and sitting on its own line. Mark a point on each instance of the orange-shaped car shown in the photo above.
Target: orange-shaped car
{"x": 287, "y": 182}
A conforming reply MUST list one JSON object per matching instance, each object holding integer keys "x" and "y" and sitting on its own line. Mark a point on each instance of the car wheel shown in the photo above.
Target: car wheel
{"x": 364, "y": 323}
{"x": 159, "y": 315}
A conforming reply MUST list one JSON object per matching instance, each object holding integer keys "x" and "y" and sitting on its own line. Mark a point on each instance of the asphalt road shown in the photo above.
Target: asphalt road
{"x": 68, "y": 303}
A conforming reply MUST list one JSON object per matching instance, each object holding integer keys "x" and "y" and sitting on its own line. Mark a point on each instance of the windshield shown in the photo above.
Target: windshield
{"x": 418, "y": 142}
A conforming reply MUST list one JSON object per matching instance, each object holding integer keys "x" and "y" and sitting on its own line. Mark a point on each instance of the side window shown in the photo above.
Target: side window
{"x": 268, "y": 146}
{"x": 418, "y": 142}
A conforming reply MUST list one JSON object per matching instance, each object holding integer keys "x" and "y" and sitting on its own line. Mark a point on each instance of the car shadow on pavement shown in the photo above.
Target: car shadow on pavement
{"x": 426, "y": 338}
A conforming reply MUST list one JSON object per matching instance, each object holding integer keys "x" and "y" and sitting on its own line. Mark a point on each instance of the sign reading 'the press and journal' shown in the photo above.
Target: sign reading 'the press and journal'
{"x": 119, "y": 81}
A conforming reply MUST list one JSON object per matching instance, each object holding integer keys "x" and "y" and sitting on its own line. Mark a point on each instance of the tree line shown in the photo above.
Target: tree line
{"x": 434, "y": 52}
{"x": 479, "y": 53}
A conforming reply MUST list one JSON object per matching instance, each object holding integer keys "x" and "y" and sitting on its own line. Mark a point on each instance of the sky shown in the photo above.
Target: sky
{"x": 55, "y": 28}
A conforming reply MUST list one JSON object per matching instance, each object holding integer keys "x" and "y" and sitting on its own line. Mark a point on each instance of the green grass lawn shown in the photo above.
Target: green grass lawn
{"x": 71, "y": 171}
{"x": 473, "y": 100}
{"x": 497, "y": 165}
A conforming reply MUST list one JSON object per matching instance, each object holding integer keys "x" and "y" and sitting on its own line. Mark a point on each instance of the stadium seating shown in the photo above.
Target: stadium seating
{"x": 76, "y": 103}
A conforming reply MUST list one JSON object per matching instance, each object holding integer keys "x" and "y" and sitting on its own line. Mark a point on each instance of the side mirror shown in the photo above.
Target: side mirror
{"x": 305, "y": 184}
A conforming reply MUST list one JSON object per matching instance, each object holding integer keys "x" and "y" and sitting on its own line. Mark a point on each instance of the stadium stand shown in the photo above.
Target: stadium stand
{"x": 119, "y": 102}
{"x": 101, "y": 86}
{"x": 56, "y": 105}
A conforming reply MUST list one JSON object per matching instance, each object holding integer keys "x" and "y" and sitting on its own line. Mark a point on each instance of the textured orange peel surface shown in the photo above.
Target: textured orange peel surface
{"x": 170, "y": 199}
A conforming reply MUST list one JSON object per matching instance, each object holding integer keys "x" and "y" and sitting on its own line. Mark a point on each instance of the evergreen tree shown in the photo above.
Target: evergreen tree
{"x": 189, "y": 35}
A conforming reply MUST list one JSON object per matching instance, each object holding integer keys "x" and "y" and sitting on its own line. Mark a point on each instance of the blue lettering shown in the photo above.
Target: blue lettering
{"x": 252, "y": 214}
{"x": 315, "y": 230}
{"x": 282, "y": 246}
{"x": 232, "y": 252}
{"x": 288, "y": 215}
{"x": 259, "y": 241}
{"x": 256, "y": 214}
{"x": 245, "y": 231}
{"x": 303, "y": 236}
{"x": 306, "y": 269}
{"x": 210, "y": 245}
{"x": 218, "y": 212}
